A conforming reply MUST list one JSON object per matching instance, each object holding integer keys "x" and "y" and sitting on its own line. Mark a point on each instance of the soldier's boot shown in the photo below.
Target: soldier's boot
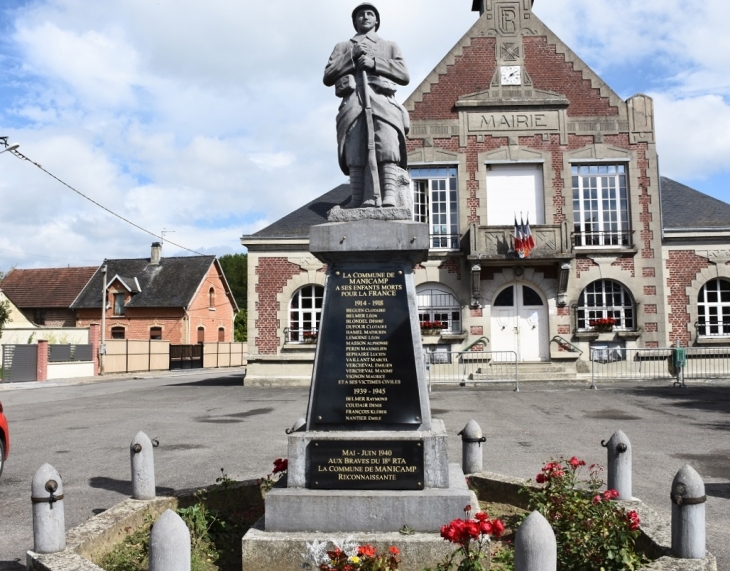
{"x": 357, "y": 184}
{"x": 388, "y": 184}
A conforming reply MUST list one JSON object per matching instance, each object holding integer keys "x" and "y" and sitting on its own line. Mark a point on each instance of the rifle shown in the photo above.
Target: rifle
{"x": 372, "y": 159}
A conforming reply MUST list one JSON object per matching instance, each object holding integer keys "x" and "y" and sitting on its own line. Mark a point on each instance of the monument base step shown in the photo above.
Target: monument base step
{"x": 267, "y": 551}
{"x": 302, "y": 509}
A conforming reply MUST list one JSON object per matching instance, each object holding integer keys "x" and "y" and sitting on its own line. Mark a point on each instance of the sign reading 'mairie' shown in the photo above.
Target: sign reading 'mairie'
{"x": 365, "y": 376}
{"x": 366, "y": 465}
{"x": 514, "y": 121}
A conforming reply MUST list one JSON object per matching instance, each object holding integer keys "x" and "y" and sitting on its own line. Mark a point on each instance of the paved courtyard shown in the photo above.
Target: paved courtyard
{"x": 208, "y": 421}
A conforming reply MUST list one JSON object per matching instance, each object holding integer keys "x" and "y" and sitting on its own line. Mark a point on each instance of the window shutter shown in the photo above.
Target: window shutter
{"x": 512, "y": 189}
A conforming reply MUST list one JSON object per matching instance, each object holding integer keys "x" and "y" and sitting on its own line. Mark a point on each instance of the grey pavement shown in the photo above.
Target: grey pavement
{"x": 206, "y": 421}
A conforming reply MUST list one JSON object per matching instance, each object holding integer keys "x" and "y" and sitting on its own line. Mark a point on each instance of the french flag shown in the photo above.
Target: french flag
{"x": 519, "y": 241}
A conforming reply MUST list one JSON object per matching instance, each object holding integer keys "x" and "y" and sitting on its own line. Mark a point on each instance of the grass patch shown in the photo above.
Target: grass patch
{"x": 217, "y": 517}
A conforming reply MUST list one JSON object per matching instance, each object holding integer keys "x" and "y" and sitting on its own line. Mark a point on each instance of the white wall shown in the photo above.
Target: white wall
{"x": 70, "y": 370}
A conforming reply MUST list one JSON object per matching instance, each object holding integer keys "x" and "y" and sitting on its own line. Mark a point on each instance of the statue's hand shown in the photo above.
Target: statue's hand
{"x": 362, "y": 49}
{"x": 366, "y": 62}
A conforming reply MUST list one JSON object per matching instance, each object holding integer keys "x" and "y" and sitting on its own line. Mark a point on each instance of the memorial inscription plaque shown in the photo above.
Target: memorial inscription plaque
{"x": 366, "y": 465}
{"x": 366, "y": 372}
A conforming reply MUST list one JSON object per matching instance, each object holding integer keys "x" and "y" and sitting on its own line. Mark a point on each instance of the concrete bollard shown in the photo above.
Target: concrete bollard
{"x": 471, "y": 448}
{"x": 49, "y": 527}
{"x": 170, "y": 544}
{"x": 688, "y": 514}
{"x": 619, "y": 465}
{"x": 143, "y": 467}
{"x": 535, "y": 546}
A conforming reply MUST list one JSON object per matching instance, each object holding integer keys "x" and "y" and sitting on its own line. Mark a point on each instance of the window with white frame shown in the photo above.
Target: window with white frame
{"x": 435, "y": 202}
{"x": 606, "y": 302}
{"x": 437, "y": 305}
{"x": 713, "y": 304}
{"x": 305, "y": 312}
{"x": 600, "y": 205}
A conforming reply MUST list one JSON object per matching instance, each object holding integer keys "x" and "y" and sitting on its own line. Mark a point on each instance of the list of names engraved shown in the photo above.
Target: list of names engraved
{"x": 367, "y": 364}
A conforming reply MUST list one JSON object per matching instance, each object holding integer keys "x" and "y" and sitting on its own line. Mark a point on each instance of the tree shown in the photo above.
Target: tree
{"x": 4, "y": 315}
{"x": 235, "y": 268}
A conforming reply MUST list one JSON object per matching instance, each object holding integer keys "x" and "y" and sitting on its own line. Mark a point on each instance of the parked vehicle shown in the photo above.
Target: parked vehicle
{"x": 4, "y": 439}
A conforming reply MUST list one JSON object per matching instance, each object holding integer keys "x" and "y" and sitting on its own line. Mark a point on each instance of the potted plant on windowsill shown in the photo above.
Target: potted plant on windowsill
{"x": 603, "y": 324}
{"x": 310, "y": 337}
{"x": 430, "y": 328}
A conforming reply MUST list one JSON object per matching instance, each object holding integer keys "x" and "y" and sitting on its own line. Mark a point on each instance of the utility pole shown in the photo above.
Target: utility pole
{"x": 102, "y": 347}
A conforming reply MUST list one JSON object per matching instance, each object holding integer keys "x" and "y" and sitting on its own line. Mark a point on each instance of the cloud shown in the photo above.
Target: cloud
{"x": 211, "y": 119}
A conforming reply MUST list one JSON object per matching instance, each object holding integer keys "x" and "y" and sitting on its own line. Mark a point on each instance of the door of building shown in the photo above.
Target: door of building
{"x": 519, "y": 323}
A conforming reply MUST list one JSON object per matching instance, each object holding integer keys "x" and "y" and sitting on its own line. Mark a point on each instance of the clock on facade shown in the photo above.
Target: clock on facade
{"x": 511, "y": 75}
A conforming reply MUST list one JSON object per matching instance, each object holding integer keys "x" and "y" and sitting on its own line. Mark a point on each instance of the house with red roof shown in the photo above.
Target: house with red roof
{"x": 44, "y": 296}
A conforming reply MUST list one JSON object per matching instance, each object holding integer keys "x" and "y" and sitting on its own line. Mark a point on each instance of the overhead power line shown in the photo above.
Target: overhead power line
{"x": 14, "y": 150}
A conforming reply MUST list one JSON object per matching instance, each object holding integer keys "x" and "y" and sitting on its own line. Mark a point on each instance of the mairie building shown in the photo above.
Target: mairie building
{"x": 512, "y": 127}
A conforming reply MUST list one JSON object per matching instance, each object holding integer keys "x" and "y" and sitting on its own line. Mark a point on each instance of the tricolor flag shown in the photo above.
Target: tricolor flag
{"x": 518, "y": 238}
{"x": 527, "y": 236}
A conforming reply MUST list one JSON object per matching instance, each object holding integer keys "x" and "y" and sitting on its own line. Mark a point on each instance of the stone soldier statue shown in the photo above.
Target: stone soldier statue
{"x": 371, "y": 124}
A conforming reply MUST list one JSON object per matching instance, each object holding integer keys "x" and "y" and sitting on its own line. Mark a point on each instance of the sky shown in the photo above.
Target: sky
{"x": 210, "y": 120}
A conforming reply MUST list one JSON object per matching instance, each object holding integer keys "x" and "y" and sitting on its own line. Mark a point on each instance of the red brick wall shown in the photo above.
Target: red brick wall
{"x": 682, "y": 268}
{"x": 138, "y": 321}
{"x": 626, "y": 263}
{"x": 273, "y": 273}
{"x": 583, "y": 265}
{"x": 472, "y": 71}
{"x": 549, "y": 70}
{"x": 453, "y": 266}
{"x": 201, "y": 315}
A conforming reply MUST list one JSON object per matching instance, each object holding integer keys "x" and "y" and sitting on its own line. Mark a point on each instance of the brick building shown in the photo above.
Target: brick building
{"x": 184, "y": 300}
{"x": 45, "y": 295}
{"x": 512, "y": 126}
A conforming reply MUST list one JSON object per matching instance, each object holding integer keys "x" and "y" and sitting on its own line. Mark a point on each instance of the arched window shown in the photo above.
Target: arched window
{"x": 211, "y": 298}
{"x": 117, "y": 332}
{"x": 201, "y": 334}
{"x": 438, "y": 304}
{"x": 305, "y": 311}
{"x": 221, "y": 334}
{"x": 606, "y": 299}
{"x": 713, "y": 306}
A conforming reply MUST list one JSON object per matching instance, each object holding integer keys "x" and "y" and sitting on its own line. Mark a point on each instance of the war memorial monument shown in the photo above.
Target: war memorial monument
{"x": 368, "y": 461}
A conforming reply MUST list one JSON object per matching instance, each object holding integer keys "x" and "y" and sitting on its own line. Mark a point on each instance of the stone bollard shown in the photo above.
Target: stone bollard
{"x": 471, "y": 448}
{"x": 170, "y": 544}
{"x": 49, "y": 527}
{"x": 688, "y": 514}
{"x": 143, "y": 467}
{"x": 535, "y": 546}
{"x": 619, "y": 464}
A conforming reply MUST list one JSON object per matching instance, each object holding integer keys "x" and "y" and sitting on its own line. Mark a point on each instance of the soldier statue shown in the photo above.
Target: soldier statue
{"x": 371, "y": 125}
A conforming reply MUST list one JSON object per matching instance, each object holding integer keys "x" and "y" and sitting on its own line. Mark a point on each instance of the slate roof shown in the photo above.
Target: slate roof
{"x": 685, "y": 207}
{"x": 297, "y": 223}
{"x": 172, "y": 283}
{"x": 46, "y": 287}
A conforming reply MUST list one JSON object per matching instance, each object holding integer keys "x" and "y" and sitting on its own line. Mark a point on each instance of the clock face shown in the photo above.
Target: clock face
{"x": 511, "y": 75}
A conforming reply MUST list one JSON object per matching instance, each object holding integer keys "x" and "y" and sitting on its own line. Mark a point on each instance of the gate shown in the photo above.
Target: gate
{"x": 478, "y": 367}
{"x": 20, "y": 363}
{"x": 186, "y": 356}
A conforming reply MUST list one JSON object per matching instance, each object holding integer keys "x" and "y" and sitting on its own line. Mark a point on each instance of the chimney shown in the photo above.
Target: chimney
{"x": 156, "y": 254}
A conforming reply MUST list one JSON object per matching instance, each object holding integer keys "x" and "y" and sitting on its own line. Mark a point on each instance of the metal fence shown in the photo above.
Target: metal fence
{"x": 668, "y": 363}
{"x": 64, "y": 353}
{"x": 445, "y": 367}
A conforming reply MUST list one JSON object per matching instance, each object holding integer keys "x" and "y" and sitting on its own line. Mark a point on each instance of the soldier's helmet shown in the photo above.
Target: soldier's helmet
{"x": 363, "y": 6}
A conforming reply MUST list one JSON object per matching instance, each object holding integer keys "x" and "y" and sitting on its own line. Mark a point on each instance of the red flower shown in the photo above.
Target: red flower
{"x": 633, "y": 519}
{"x": 486, "y": 527}
{"x": 576, "y": 463}
{"x": 498, "y": 527}
{"x": 394, "y": 550}
{"x": 467, "y": 508}
{"x": 280, "y": 465}
{"x": 366, "y": 551}
{"x": 541, "y": 478}
{"x": 596, "y": 500}
{"x": 610, "y": 494}
{"x": 481, "y": 516}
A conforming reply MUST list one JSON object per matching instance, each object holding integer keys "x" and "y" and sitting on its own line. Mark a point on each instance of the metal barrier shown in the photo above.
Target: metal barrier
{"x": 707, "y": 363}
{"x": 444, "y": 368}
{"x": 620, "y": 363}
{"x": 667, "y": 363}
